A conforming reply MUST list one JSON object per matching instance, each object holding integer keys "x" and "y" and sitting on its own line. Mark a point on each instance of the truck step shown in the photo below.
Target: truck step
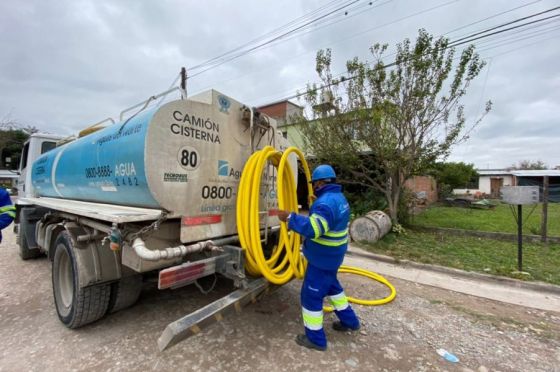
{"x": 194, "y": 322}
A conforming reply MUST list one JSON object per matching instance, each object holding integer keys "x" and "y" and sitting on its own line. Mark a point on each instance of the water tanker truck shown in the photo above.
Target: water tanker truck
{"x": 152, "y": 194}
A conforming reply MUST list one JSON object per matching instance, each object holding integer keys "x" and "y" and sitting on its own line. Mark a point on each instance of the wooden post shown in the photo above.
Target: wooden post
{"x": 520, "y": 237}
{"x": 544, "y": 218}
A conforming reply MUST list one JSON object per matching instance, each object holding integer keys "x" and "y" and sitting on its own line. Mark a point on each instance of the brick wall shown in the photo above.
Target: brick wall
{"x": 275, "y": 111}
{"x": 424, "y": 187}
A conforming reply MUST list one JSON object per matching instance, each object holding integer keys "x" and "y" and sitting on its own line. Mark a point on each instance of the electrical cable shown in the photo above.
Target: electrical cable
{"x": 510, "y": 23}
{"x": 370, "y": 7}
{"x": 454, "y": 43}
{"x": 492, "y": 16}
{"x": 218, "y": 63}
{"x": 264, "y": 36}
{"x": 465, "y": 40}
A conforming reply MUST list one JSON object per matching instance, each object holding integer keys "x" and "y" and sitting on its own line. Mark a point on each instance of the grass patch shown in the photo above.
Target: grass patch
{"x": 541, "y": 261}
{"x": 499, "y": 219}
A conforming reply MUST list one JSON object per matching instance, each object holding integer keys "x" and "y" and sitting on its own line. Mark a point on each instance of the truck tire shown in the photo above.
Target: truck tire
{"x": 124, "y": 293}
{"x": 24, "y": 251}
{"x": 75, "y": 306}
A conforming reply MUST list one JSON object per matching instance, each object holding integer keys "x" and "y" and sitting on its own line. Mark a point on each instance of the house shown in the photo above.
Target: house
{"x": 491, "y": 180}
{"x": 284, "y": 112}
{"x": 536, "y": 178}
{"x": 8, "y": 178}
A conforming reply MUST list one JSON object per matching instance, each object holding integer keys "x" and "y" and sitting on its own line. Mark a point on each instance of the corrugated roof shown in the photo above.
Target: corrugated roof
{"x": 493, "y": 172}
{"x": 519, "y": 173}
{"x": 536, "y": 173}
{"x": 4, "y": 173}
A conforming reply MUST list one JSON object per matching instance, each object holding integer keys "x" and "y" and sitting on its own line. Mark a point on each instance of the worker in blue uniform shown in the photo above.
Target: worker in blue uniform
{"x": 7, "y": 210}
{"x": 326, "y": 240}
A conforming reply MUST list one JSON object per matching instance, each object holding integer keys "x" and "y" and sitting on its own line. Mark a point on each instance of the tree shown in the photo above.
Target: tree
{"x": 11, "y": 144}
{"x": 386, "y": 122}
{"x": 529, "y": 164}
{"x": 12, "y": 137}
{"x": 8, "y": 123}
{"x": 456, "y": 175}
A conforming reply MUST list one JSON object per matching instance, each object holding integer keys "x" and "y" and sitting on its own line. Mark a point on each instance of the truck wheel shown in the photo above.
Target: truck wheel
{"x": 75, "y": 306}
{"x": 125, "y": 293}
{"x": 24, "y": 252}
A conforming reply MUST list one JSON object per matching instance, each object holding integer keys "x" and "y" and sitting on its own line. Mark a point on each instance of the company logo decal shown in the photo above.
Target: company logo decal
{"x": 223, "y": 168}
{"x": 226, "y": 171}
{"x": 224, "y": 104}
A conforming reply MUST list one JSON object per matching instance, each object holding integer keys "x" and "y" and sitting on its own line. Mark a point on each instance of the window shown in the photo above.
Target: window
{"x": 24, "y": 154}
{"x": 47, "y": 146}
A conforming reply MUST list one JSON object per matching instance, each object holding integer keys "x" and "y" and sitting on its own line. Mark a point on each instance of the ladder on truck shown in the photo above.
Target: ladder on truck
{"x": 194, "y": 322}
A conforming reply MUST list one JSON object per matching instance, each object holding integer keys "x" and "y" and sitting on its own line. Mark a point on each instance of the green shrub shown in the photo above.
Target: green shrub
{"x": 364, "y": 202}
{"x": 444, "y": 191}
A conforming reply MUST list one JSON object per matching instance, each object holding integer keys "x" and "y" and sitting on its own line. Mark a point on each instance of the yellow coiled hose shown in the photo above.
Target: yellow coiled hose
{"x": 280, "y": 268}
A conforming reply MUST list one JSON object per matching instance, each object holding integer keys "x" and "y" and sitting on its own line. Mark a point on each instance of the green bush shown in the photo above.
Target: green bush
{"x": 444, "y": 191}
{"x": 364, "y": 202}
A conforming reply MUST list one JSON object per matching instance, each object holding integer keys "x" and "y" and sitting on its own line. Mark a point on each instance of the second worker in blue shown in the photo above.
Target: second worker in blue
{"x": 325, "y": 233}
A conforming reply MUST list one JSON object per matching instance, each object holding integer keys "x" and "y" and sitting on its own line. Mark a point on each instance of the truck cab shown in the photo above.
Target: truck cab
{"x": 36, "y": 145}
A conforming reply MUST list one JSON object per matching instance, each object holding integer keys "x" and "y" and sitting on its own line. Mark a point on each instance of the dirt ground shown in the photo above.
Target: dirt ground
{"x": 401, "y": 336}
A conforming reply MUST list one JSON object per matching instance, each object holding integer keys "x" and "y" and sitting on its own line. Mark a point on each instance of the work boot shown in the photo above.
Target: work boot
{"x": 338, "y": 326}
{"x": 305, "y": 342}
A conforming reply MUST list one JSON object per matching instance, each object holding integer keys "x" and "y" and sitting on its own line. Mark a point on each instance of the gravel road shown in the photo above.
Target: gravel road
{"x": 401, "y": 336}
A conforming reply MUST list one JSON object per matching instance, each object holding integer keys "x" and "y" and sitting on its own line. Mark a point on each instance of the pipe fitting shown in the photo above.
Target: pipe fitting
{"x": 143, "y": 252}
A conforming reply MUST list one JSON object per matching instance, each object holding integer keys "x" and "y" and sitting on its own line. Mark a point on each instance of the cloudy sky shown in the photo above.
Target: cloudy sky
{"x": 67, "y": 64}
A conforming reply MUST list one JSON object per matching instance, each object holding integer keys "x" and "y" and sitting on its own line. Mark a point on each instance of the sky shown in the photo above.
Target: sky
{"x": 68, "y": 64}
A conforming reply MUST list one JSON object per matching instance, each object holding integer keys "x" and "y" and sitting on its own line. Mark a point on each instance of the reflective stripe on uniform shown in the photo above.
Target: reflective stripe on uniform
{"x": 9, "y": 210}
{"x": 322, "y": 220}
{"x": 339, "y": 301}
{"x": 331, "y": 242}
{"x": 312, "y": 320}
{"x": 337, "y": 234}
{"x": 315, "y": 227}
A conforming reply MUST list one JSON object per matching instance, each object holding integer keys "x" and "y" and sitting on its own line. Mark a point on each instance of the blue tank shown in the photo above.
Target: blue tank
{"x": 105, "y": 166}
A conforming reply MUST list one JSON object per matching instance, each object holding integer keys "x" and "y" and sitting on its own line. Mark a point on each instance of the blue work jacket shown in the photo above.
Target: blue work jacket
{"x": 7, "y": 210}
{"x": 326, "y": 229}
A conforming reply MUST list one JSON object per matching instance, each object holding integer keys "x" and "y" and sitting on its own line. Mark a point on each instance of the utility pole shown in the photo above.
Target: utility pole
{"x": 184, "y": 80}
{"x": 544, "y": 219}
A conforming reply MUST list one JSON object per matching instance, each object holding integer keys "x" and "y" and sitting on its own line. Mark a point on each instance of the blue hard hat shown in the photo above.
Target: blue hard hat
{"x": 323, "y": 172}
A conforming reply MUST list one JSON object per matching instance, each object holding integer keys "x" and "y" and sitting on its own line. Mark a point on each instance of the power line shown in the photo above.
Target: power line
{"x": 385, "y": 24}
{"x": 528, "y": 37}
{"x": 462, "y": 41}
{"x": 303, "y": 33}
{"x": 468, "y": 40}
{"x": 264, "y": 36}
{"x": 492, "y": 16}
{"x": 371, "y": 29}
{"x": 508, "y": 23}
{"x": 524, "y": 46}
{"x": 520, "y": 35}
{"x": 322, "y": 26}
{"x": 218, "y": 63}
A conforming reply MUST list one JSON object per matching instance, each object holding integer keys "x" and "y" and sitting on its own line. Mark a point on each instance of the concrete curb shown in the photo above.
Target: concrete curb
{"x": 534, "y": 286}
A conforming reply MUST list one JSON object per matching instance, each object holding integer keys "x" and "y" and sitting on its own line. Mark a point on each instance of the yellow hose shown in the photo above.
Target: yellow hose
{"x": 275, "y": 269}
